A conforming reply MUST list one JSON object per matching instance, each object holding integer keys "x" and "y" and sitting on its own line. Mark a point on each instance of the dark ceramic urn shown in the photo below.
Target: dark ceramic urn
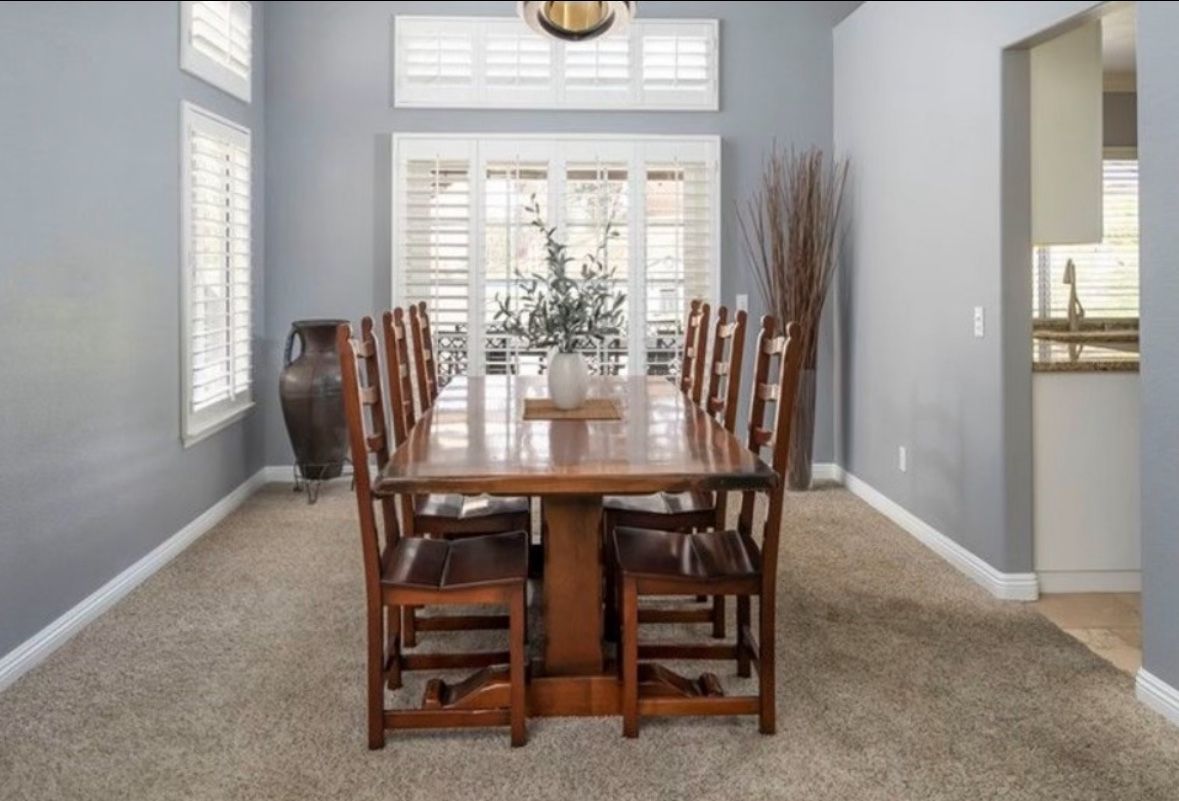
{"x": 312, "y": 406}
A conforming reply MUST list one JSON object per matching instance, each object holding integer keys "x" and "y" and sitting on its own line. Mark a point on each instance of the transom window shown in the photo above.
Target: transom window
{"x": 216, "y": 43}
{"x": 462, "y": 237}
{"x": 498, "y": 62}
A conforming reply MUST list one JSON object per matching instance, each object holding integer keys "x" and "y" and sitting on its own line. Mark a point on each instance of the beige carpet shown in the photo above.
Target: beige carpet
{"x": 236, "y": 673}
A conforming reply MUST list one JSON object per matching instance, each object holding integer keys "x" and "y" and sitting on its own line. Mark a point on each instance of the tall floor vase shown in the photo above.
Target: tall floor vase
{"x": 802, "y": 433}
{"x": 312, "y": 406}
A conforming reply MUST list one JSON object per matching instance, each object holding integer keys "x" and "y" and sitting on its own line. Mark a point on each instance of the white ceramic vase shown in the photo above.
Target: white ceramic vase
{"x": 568, "y": 376}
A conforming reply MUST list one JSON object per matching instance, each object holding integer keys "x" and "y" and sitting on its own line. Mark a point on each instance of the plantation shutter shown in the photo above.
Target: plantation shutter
{"x": 435, "y": 248}
{"x": 218, "y": 282}
{"x": 679, "y": 254}
{"x": 496, "y": 62}
{"x": 217, "y": 43}
{"x": 461, "y": 234}
{"x": 679, "y": 63}
{"x": 434, "y": 57}
{"x": 1106, "y": 272}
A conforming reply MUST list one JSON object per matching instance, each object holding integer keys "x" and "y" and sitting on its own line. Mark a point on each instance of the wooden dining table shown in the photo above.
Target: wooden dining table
{"x": 475, "y": 440}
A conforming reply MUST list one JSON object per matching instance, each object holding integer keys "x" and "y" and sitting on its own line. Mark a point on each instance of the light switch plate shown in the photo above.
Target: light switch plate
{"x": 743, "y": 303}
{"x": 903, "y": 459}
{"x": 980, "y": 329}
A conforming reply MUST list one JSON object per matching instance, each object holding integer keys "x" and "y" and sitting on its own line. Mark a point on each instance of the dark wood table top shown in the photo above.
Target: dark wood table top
{"x": 475, "y": 440}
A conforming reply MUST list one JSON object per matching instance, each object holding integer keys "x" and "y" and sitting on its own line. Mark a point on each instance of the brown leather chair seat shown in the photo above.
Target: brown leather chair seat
{"x": 692, "y": 557}
{"x": 458, "y": 564}
{"x": 467, "y": 507}
{"x": 662, "y": 503}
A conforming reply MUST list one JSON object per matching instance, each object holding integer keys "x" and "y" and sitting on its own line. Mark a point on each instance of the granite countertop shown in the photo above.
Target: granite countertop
{"x": 1054, "y": 357}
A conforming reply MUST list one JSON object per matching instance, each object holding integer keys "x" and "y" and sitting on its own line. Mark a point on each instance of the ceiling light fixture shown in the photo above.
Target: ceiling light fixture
{"x": 576, "y": 21}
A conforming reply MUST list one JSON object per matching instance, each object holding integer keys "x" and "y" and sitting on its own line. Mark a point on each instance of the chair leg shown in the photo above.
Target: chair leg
{"x": 718, "y": 617}
{"x": 393, "y": 639}
{"x": 376, "y": 678}
{"x": 630, "y": 658}
{"x": 767, "y": 712}
{"x": 516, "y": 669}
{"x": 409, "y": 628}
{"x": 743, "y": 620}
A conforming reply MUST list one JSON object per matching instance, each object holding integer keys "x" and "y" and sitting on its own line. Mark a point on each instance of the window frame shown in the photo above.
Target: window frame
{"x": 634, "y": 96}
{"x": 201, "y": 66}
{"x": 640, "y": 149}
{"x": 197, "y": 426}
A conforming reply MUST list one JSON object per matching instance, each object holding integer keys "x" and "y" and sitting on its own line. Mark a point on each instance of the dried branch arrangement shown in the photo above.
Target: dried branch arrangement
{"x": 790, "y": 228}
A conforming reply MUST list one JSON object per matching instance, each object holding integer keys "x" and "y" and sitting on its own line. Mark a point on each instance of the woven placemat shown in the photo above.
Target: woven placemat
{"x": 592, "y": 409}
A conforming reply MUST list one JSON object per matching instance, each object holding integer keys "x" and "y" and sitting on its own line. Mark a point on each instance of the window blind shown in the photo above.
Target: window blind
{"x": 461, "y": 235}
{"x": 217, "y": 269}
{"x": 217, "y": 43}
{"x": 1106, "y": 272}
{"x": 490, "y": 62}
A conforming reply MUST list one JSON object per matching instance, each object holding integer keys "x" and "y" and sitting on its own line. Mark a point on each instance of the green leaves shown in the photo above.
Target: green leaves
{"x": 560, "y": 308}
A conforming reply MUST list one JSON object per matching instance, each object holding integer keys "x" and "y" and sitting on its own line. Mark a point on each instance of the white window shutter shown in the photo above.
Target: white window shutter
{"x": 461, "y": 234}
{"x": 498, "y": 62}
{"x": 679, "y": 63}
{"x": 216, "y": 43}
{"x": 217, "y": 271}
{"x": 434, "y": 57}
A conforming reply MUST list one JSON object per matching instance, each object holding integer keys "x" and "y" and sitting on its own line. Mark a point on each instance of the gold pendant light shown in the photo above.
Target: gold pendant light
{"x": 576, "y": 21}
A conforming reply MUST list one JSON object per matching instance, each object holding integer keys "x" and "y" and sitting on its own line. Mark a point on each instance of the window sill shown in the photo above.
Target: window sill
{"x": 231, "y": 416}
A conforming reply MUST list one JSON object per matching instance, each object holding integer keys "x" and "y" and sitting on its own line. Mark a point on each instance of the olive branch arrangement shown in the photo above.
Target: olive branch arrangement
{"x": 563, "y": 307}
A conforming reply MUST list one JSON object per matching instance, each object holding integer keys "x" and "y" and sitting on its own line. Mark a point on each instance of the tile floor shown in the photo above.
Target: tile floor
{"x": 1109, "y": 623}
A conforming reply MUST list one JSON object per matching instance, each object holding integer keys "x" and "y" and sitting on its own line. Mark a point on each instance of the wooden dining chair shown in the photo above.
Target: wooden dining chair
{"x": 424, "y": 356}
{"x": 691, "y": 380}
{"x": 656, "y": 562}
{"x": 401, "y": 571}
{"x": 692, "y": 511}
{"x": 446, "y": 516}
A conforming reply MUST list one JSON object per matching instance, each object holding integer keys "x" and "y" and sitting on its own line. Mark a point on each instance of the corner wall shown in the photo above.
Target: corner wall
{"x": 93, "y": 475}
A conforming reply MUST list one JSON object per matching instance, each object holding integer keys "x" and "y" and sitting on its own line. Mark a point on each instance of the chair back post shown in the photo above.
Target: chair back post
{"x": 357, "y": 357}
{"x": 724, "y": 380}
{"x": 424, "y": 356}
{"x": 690, "y": 349}
{"x": 701, "y": 355}
{"x": 790, "y": 369}
{"x": 400, "y": 383}
{"x": 768, "y": 347}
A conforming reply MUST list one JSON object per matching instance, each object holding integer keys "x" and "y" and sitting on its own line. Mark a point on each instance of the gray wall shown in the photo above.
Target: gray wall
{"x": 94, "y": 475}
{"x": 936, "y": 230}
{"x": 1120, "y": 119}
{"x": 1158, "y": 160}
{"x": 918, "y": 108}
{"x": 329, "y": 121}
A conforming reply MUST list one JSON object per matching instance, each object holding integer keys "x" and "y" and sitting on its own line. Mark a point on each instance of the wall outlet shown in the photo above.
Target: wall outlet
{"x": 903, "y": 459}
{"x": 743, "y": 303}
{"x": 980, "y": 329}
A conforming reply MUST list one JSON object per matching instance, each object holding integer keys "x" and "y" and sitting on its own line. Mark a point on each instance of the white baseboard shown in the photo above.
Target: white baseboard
{"x": 1157, "y": 694}
{"x": 1090, "y": 580}
{"x": 1007, "y": 586}
{"x": 34, "y": 650}
{"x": 826, "y": 471}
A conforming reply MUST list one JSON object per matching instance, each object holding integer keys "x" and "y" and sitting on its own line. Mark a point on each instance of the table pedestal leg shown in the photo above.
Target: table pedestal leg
{"x": 572, "y": 585}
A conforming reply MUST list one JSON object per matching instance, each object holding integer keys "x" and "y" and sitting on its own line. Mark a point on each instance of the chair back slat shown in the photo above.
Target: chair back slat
{"x": 423, "y": 348}
{"x": 360, "y": 372}
{"x": 724, "y": 379}
{"x": 400, "y": 383}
